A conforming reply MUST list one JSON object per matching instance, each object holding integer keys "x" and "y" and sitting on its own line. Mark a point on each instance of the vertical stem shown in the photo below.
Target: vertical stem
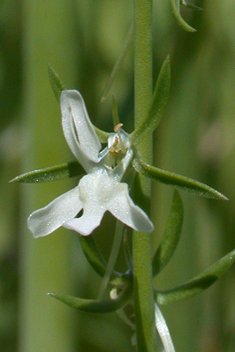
{"x": 143, "y": 287}
{"x": 44, "y": 325}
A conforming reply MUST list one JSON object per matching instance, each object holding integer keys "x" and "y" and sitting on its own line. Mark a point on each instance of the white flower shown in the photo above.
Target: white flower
{"x": 101, "y": 189}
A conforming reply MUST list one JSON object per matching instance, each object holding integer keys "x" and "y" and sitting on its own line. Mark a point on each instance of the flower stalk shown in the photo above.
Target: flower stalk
{"x": 142, "y": 268}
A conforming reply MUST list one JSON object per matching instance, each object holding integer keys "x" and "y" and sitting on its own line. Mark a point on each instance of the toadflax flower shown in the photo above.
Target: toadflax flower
{"x": 101, "y": 189}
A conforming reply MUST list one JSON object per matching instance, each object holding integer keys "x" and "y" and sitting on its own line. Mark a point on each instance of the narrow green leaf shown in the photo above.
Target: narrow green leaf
{"x": 95, "y": 306}
{"x": 176, "y": 180}
{"x": 158, "y": 105}
{"x": 93, "y": 254}
{"x": 56, "y": 82}
{"x": 118, "y": 63}
{"x": 176, "y": 12}
{"x": 190, "y": 6}
{"x": 52, "y": 173}
{"x": 171, "y": 236}
{"x": 116, "y": 120}
{"x": 98, "y": 263}
{"x": 198, "y": 284}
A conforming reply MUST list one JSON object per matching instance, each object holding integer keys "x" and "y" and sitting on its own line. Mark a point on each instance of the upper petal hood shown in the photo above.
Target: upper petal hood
{"x": 78, "y": 129}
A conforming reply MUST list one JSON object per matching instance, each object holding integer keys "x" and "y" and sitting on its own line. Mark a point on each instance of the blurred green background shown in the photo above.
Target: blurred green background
{"x": 82, "y": 39}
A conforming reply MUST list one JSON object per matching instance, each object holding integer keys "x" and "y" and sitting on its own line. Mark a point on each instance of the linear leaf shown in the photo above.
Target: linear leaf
{"x": 52, "y": 173}
{"x": 176, "y": 12}
{"x": 171, "y": 236}
{"x": 95, "y": 306}
{"x": 198, "y": 284}
{"x": 119, "y": 62}
{"x": 158, "y": 105}
{"x": 176, "y": 180}
{"x": 97, "y": 261}
{"x": 94, "y": 256}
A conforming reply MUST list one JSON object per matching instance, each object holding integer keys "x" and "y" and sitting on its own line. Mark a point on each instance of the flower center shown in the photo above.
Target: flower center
{"x": 118, "y": 142}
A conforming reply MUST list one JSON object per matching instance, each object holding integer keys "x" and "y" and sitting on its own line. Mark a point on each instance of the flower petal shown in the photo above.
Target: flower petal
{"x": 86, "y": 224}
{"x": 78, "y": 129}
{"x": 124, "y": 209}
{"x": 163, "y": 330}
{"x": 46, "y": 220}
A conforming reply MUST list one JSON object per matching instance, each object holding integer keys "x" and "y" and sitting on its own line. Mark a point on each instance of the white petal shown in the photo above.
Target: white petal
{"x": 86, "y": 224}
{"x": 124, "y": 209}
{"x": 78, "y": 129}
{"x": 46, "y": 220}
{"x": 163, "y": 330}
{"x": 91, "y": 192}
{"x": 101, "y": 191}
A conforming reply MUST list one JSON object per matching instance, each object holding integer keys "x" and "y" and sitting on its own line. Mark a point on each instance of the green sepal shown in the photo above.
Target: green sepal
{"x": 198, "y": 284}
{"x": 175, "y": 4}
{"x": 95, "y": 306}
{"x": 190, "y": 6}
{"x": 176, "y": 180}
{"x": 52, "y": 173}
{"x": 158, "y": 105}
{"x": 56, "y": 83}
{"x": 171, "y": 236}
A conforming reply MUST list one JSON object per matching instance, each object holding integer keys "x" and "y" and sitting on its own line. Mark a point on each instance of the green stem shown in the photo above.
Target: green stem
{"x": 142, "y": 269}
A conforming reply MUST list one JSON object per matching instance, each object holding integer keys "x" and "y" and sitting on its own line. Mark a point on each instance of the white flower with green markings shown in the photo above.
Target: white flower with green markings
{"x": 101, "y": 189}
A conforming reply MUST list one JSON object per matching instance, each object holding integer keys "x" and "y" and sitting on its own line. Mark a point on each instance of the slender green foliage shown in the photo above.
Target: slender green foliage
{"x": 175, "y": 4}
{"x": 198, "y": 284}
{"x": 171, "y": 236}
{"x": 52, "y": 173}
{"x": 158, "y": 104}
{"x": 172, "y": 179}
{"x": 95, "y": 306}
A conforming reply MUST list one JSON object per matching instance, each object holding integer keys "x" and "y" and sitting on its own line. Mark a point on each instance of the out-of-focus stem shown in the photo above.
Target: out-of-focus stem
{"x": 45, "y": 325}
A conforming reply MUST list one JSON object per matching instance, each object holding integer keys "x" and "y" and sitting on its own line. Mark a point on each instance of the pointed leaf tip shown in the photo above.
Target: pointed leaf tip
{"x": 175, "y": 4}
{"x": 198, "y": 284}
{"x": 94, "y": 306}
{"x": 56, "y": 83}
{"x": 176, "y": 180}
{"x": 52, "y": 173}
